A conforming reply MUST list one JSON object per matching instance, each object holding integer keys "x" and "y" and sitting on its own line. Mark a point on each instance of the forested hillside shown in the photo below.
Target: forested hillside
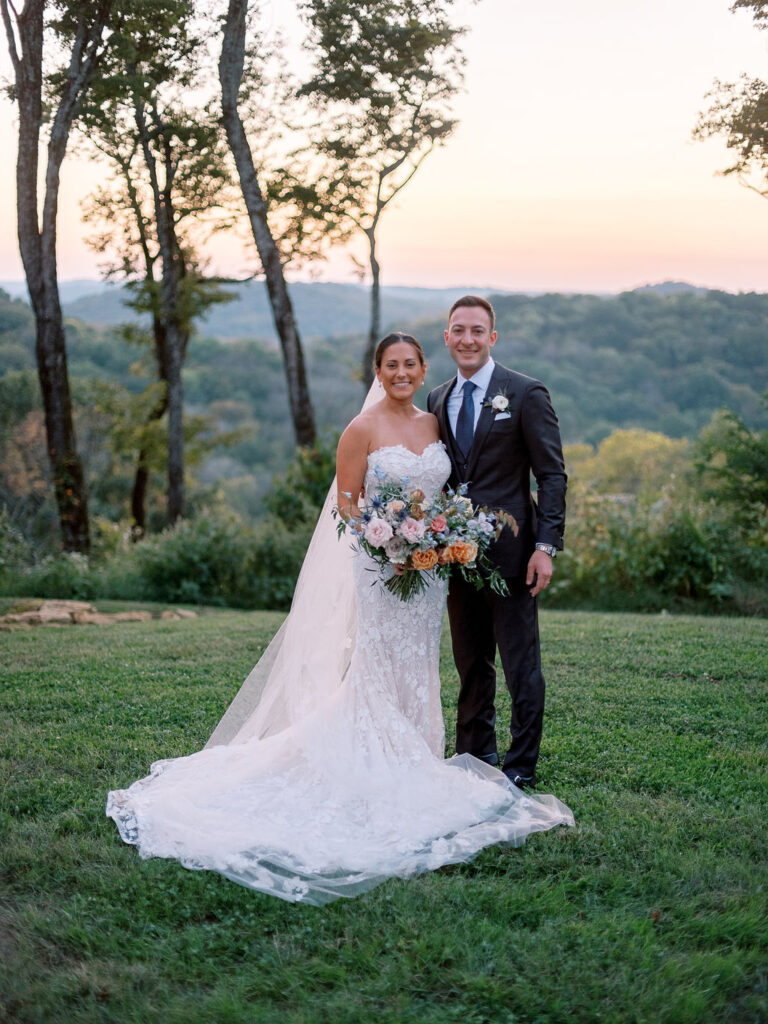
{"x": 652, "y": 519}
{"x": 639, "y": 359}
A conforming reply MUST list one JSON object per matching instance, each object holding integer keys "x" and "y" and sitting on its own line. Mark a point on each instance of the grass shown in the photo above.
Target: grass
{"x": 653, "y": 909}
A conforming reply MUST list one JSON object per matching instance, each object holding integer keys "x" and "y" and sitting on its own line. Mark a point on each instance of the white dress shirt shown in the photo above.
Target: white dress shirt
{"x": 483, "y": 381}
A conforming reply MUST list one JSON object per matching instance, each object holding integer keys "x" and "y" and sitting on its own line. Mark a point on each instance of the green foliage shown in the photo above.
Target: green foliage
{"x": 66, "y": 575}
{"x": 660, "y": 362}
{"x": 216, "y": 559}
{"x": 644, "y": 532}
{"x": 297, "y": 495}
{"x": 610, "y": 363}
{"x": 15, "y": 549}
{"x": 732, "y": 466}
{"x": 19, "y": 395}
{"x": 665, "y": 537}
{"x": 627, "y": 554}
{"x": 638, "y": 462}
{"x": 651, "y": 910}
{"x": 213, "y": 559}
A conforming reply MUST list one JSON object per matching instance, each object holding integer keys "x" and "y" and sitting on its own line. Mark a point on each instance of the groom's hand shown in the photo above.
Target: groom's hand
{"x": 540, "y": 570}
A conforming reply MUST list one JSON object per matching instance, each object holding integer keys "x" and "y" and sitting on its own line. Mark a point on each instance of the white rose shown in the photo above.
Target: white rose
{"x": 499, "y": 403}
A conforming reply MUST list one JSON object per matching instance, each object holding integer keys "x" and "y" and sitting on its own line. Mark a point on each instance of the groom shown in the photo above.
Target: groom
{"x": 498, "y": 427}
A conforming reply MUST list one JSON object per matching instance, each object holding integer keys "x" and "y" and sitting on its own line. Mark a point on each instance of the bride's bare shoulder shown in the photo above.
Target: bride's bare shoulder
{"x": 430, "y": 421}
{"x": 357, "y": 434}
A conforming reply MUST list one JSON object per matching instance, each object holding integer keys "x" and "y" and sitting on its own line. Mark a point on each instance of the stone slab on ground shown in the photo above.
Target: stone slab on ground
{"x": 81, "y": 613}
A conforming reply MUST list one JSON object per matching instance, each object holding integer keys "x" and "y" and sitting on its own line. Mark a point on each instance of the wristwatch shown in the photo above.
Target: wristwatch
{"x": 548, "y": 549}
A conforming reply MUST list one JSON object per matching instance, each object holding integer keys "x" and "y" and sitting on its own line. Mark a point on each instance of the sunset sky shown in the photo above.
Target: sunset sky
{"x": 573, "y": 167}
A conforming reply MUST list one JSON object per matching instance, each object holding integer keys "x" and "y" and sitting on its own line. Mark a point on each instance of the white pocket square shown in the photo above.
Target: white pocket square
{"x": 503, "y": 416}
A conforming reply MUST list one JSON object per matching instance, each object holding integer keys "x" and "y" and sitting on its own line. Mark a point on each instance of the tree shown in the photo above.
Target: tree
{"x": 231, "y": 67}
{"x": 759, "y": 10}
{"x": 77, "y": 29}
{"x": 169, "y": 163}
{"x": 385, "y": 75}
{"x": 637, "y": 463}
{"x": 738, "y": 111}
{"x": 732, "y": 466}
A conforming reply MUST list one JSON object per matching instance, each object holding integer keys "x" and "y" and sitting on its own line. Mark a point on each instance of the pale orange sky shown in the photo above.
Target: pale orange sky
{"x": 573, "y": 166}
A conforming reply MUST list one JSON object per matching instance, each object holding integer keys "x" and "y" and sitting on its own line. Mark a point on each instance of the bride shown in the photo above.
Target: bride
{"x": 326, "y": 774}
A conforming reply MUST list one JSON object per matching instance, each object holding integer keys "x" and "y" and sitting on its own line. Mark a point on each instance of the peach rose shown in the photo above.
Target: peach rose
{"x": 464, "y": 552}
{"x": 424, "y": 559}
{"x": 445, "y": 555}
{"x": 395, "y": 505}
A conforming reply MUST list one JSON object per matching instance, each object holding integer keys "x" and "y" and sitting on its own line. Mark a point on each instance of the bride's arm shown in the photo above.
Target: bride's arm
{"x": 351, "y": 464}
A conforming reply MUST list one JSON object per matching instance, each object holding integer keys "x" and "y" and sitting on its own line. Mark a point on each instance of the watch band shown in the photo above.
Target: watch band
{"x": 548, "y": 549}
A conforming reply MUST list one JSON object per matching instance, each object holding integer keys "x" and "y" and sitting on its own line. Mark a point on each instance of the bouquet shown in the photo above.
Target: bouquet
{"x": 400, "y": 528}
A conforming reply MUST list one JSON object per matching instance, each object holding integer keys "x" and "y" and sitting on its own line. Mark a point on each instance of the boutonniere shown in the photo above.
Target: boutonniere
{"x": 499, "y": 403}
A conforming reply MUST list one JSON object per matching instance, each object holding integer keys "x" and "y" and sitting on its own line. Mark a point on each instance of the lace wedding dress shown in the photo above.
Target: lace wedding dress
{"x": 325, "y": 787}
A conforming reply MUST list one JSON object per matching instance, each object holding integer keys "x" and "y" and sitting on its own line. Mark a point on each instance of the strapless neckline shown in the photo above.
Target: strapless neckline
{"x": 402, "y": 447}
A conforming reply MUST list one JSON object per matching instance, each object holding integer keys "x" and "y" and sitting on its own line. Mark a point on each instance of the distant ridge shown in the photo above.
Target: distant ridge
{"x": 672, "y": 288}
{"x": 323, "y": 309}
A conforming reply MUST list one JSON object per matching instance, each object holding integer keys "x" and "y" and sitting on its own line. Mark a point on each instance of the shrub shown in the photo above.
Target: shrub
{"x": 197, "y": 561}
{"x": 64, "y": 575}
{"x": 15, "y": 549}
{"x": 631, "y": 556}
{"x": 214, "y": 559}
{"x": 217, "y": 559}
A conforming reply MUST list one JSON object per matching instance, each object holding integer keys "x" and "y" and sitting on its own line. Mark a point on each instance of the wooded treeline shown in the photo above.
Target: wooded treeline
{"x": 662, "y": 363}
{"x": 637, "y": 380}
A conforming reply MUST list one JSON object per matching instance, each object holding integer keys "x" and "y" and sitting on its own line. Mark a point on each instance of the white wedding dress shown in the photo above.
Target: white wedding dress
{"x": 325, "y": 788}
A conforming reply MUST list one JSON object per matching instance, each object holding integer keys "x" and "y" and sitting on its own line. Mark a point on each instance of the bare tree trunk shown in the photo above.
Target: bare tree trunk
{"x": 141, "y": 477}
{"x": 176, "y": 334}
{"x": 37, "y": 244}
{"x": 175, "y": 437}
{"x": 230, "y": 76}
{"x": 374, "y": 329}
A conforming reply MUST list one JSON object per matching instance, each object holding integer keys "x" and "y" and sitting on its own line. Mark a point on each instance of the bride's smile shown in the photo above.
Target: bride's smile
{"x": 401, "y": 373}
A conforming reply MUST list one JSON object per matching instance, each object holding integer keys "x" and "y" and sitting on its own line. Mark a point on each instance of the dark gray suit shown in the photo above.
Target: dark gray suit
{"x": 505, "y": 451}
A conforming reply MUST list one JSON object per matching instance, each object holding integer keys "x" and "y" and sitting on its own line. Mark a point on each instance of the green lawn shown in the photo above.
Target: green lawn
{"x": 652, "y": 909}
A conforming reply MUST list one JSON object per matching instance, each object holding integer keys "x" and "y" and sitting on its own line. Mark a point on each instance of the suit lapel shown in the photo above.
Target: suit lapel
{"x": 485, "y": 420}
{"x": 441, "y": 411}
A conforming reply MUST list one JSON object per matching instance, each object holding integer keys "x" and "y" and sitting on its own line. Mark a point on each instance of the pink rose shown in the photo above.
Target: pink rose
{"x": 439, "y": 524}
{"x": 377, "y": 532}
{"x": 412, "y": 529}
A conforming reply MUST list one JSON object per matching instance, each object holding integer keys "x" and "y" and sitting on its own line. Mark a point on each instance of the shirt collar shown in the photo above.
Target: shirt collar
{"x": 482, "y": 378}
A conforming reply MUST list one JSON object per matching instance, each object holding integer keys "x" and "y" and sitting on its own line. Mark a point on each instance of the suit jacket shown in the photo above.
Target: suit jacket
{"x": 506, "y": 449}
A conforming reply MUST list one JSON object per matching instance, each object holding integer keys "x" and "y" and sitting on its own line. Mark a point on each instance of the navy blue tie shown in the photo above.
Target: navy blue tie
{"x": 465, "y": 424}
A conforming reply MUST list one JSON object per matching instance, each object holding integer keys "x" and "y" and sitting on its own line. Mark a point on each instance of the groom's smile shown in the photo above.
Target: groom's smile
{"x": 470, "y": 338}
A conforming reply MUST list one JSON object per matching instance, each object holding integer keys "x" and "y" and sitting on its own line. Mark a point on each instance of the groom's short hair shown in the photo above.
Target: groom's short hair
{"x": 474, "y": 300}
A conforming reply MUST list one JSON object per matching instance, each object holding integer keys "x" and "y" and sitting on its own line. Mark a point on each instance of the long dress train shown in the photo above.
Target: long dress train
{"x": 345, "y": 784}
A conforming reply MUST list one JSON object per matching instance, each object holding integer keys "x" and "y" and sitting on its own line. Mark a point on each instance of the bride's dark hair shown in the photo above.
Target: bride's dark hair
{"x": 393, "y": 339}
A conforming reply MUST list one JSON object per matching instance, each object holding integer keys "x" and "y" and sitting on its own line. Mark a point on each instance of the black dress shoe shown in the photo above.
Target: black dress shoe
{"x": 521, "y": 781}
